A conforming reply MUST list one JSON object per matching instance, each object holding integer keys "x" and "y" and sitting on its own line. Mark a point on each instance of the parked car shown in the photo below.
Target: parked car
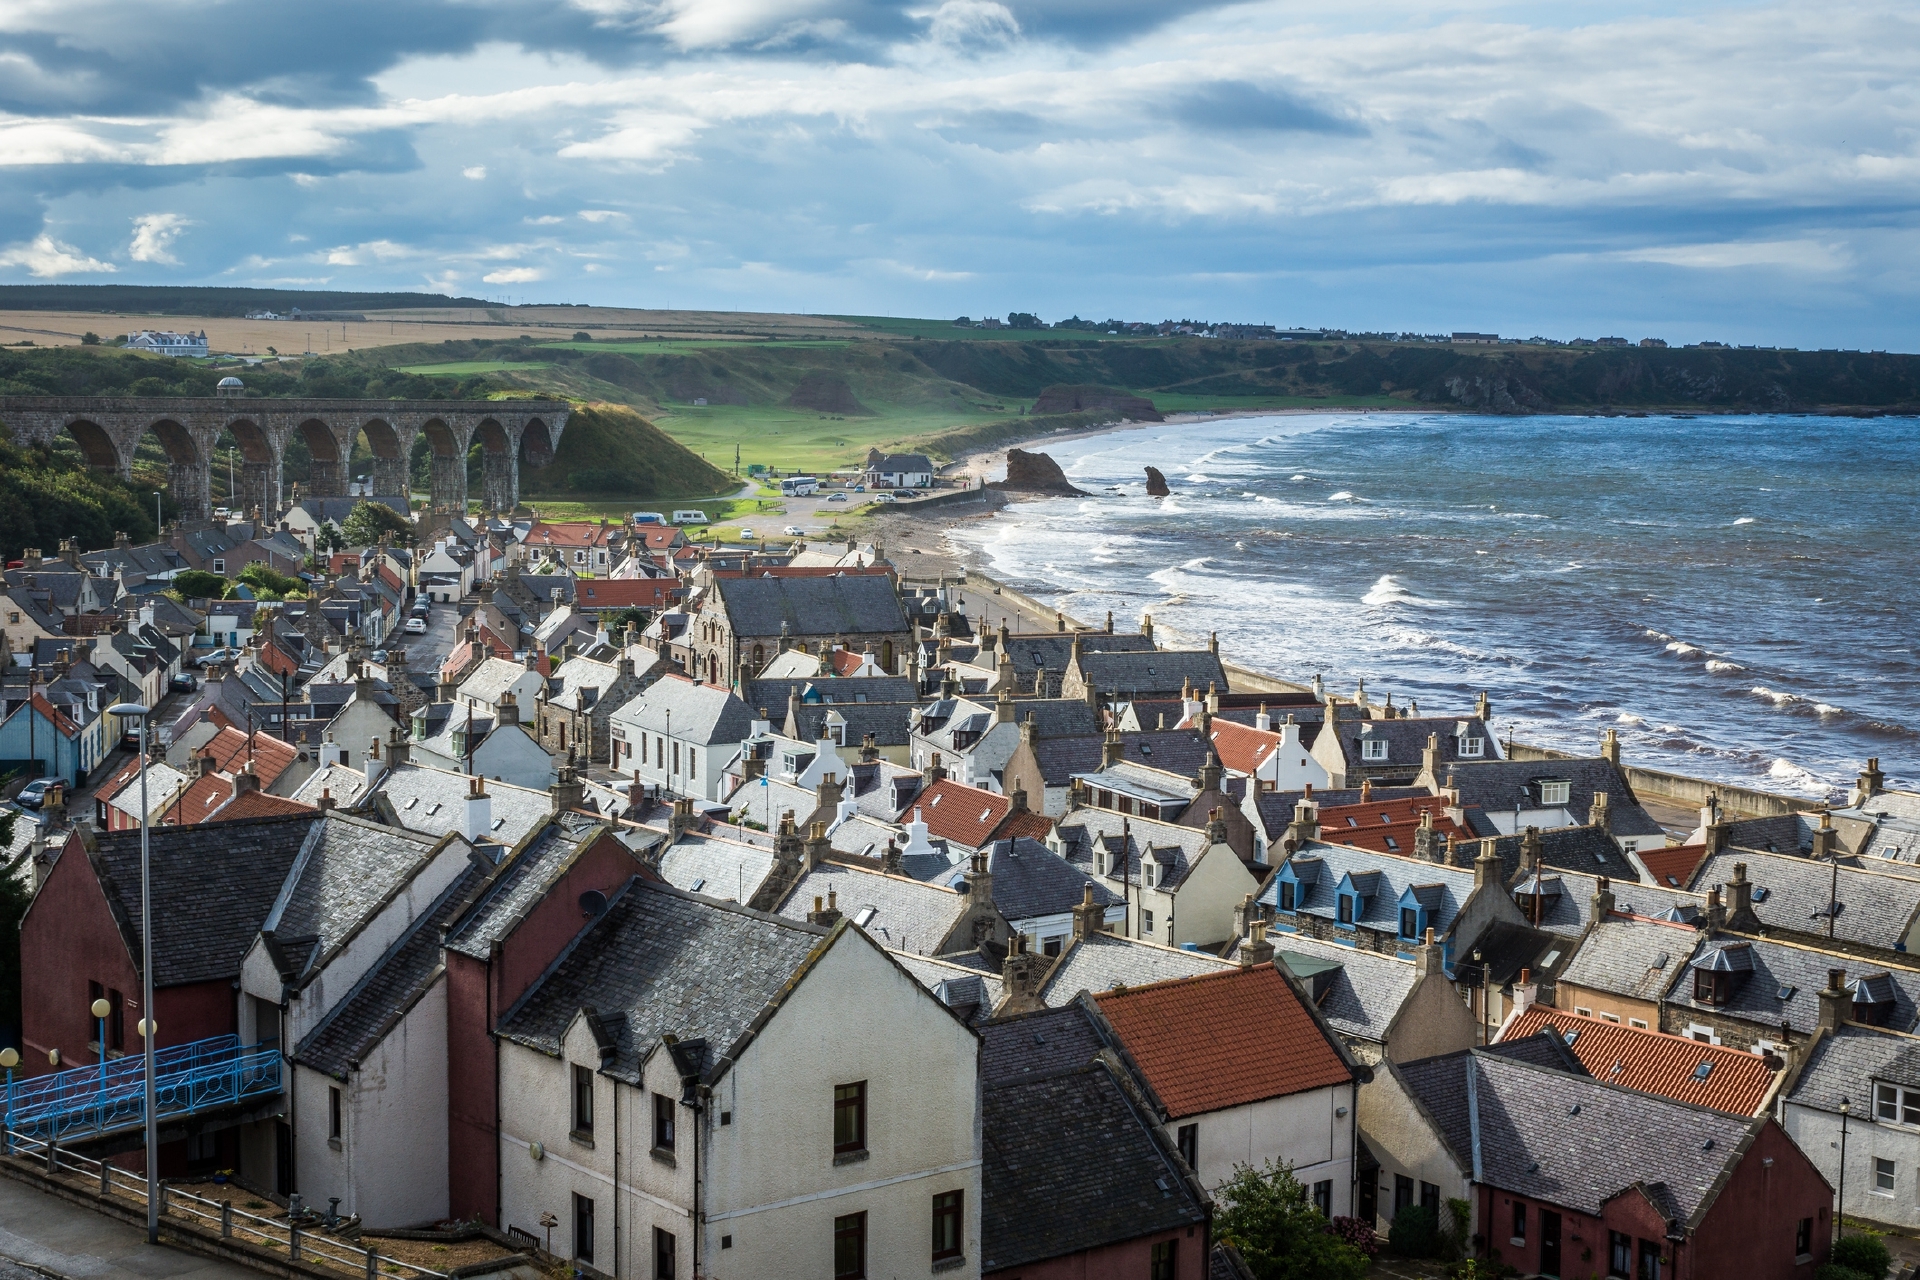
{"x": 859, "y": 488}
{"x": 794, "y": 531}
{"x": 415, "y": 627}
{"x": 883, "y": 497}
{"x": 748, "y": 535}
{"x": 379, "y": 655}
{"x": 838, "y": 497}
{"x": 183, "y": 683}
{"x": 212, "y": 656}
{"x": 34, "y": 794}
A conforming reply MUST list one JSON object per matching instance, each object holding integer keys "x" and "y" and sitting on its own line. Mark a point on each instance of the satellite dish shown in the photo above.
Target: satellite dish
{"x": 592, "y": 903}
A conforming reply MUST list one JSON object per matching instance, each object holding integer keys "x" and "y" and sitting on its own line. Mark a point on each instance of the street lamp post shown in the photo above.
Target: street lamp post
{"x": 148, "y": 1026}
{"x": 1840, "y": 1216}
{"x": 100, "y": 1009}
{"x": 9, "y": 1058}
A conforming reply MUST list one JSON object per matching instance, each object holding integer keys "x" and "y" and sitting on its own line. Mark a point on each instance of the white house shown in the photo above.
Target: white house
{"x": 1877, "y": 1073}
{"x": 816, "y": 1113}
{"x": 1269, "y": 753}
{"x": 679, "y": 735}
{"x": 165, "y": 343}
{"x": 1181, "y": 884}
{"x": 492, "y": 679}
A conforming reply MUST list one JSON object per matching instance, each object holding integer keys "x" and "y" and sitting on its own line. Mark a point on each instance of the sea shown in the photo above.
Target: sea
{"x": 1735, "y": 596}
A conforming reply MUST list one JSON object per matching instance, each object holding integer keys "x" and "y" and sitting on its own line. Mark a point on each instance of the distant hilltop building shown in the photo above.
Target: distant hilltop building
{"x": 1477, "y": 339}
{"x": 168, "y": 344}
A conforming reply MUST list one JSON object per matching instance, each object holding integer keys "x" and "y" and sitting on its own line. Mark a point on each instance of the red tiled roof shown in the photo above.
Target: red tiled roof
{"x": 1242, "y": 748}
{"x": 1223, "y": 1040}
{"x": 1654, "y": 1061}
{"x": 55, "y": 716}
{"x": 624, "y": 593}
{"x": 660, "y": 536}
{"x": 1374, "y": 824}
{"x": 845, "y": 661}
{"x": 271, "y": 756}
{"x": 196, "y": 804}
{"x": 1028, "y": 824}
{"x": 1673, "y": 868}
{"x": 569, "y": 533}
{"x": 954, "y": 811}
{"x": 258, "y": 804}
{"x": 277, "y": 660}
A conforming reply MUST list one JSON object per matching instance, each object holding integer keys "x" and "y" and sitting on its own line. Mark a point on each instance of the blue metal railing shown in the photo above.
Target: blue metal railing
{"x": 188, "y": 1078}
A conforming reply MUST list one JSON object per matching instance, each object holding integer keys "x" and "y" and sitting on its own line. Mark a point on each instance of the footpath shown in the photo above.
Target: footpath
{"x": 56, "y": 1238}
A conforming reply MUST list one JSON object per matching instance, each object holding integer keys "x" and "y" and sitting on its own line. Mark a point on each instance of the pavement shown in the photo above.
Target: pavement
{"x": 41, "y": 1235}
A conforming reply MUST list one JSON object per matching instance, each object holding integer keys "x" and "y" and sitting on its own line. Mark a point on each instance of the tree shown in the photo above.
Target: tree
{"x": 269, "y": 583}
{"x": 199, "y": 584}
{"x": 1267, "y": 1215}
{"x": 369, "y": 520}
{"x": 327, "y": 537}
{"x": 89, "y": 339}
{"x": 14, "y": 899}
{"x": 583, "y": 337}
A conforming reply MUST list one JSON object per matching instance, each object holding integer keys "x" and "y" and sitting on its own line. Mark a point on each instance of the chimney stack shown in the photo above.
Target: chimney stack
{"x": 935, "y": 771}
{"x": 827, "y": 914}
{"x": 1256, "y": 950}
{"x": 1870, "y": 783}
{"x": 1112, "y": 749}
{"x": 1089, "y": 917}
{"x": 1740, "y": 901}
{"x": 1021, "y": 973}
{"x": 817, "y": 847}
{"x": 680, "y": 821}
{"x": 1715, "y": 918}
{"x": 476, "y": 818}
{"x": 1836, "y": 1002}
{"x": 1427, "y": 844}
{"x": 1599, "y": 814}
{"x": 1610, "y": 748}
{"x": 1602, "y": 898}
{"x": 1824, "y": 836}
{"x": 1430, "y": 957}
{"x": 1486, "y": 867}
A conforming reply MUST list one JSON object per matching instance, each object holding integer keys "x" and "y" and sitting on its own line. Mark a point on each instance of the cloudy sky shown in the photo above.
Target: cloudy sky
{"x": 1747, "y": 173}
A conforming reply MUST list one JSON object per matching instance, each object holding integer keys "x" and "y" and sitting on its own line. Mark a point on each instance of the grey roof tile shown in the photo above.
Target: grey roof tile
{"x": 690, "y": 710}
{"x": 1359, "y": 994}
{"x": 1103, "y": 961}
{"x": 1032, "y": 880}
{"x": 515, "y": 886}
{"x": 850, "y": 605}
{"x": 1500, "y": 784}
{"x": 1791, "y": 892}
{"x": 1843, "y": 1064}
{"x": 1634, "y": 958}
{"x": 1778, "y": 982}
{"x": 907, "y": 914}
{"x": 349, "y": 867}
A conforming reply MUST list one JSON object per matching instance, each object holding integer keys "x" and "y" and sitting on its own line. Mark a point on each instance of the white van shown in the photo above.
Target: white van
{"x": 691, "y": 517}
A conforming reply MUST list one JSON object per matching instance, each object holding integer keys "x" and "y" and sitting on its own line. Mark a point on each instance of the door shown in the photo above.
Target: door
{"x": 1549, "y": 1243}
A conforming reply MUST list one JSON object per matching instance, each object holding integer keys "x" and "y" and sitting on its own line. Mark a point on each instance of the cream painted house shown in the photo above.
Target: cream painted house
{"x": 1180, "y": 884}
{"x": 696, "y": 1088}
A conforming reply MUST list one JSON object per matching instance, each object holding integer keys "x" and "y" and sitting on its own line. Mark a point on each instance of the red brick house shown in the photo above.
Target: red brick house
{"x": 531, "y": 908}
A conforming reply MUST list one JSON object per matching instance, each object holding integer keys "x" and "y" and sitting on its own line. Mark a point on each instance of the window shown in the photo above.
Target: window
{"x": 333, "y": 1113}
{"x": 1402, "y": 1192}
{"x": 1619, "y": 1254}
{"x": 582, "y": 1100}
{"x": 850, "y": 1247}
{"x": 1519, "y": 1222}
{"x": 693, "y": 769}
{"x": 1637, "y": 1022}
{"x": 1373, "y": 748}
{"x": 663, "y": 1251}
{"x": 1649, "y": 1260}
{"x": 1471, "y": 748}
{"x": 1883, "y": 1177}
{"x": 1901, "y": 1106}
{"x": 1149, "y": 874}
{"x": 1164, "y": 1262}
{"x": 117, "y": 1021}
{"x": 662, "y": 1122}
{"x": 1189, "y": 1143}
{"x": 219, "y": 566}
{"x": 1712, "y": 988}
{"x": 850, "y": 1127}
{"x": 582, "y": 1228}
{"x": 676, "y": 757}
{"x": 1286, "y": 895}
{"x": 948, "y": 1239}
{"x": 1803, "y": 1238}
{"x": 1323, "y": 1197}
{"x": 1146, "y": 922}
{"x": 1552, "y": 793}
{"x": 1409, "y": 922}
{"x": 1430, "y": 1198}
{"x": 1346, "y": 909}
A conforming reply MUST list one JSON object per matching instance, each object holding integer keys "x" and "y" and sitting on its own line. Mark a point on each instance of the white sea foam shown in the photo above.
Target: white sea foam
{"x": 1197, "y": 478}
{"x": 1296, "y": 478}
{"x": 1716, "y": 665}
{"x": 1774, "y": 696}
{"x": 1388, "y": 589}
{"x": 1342, "y": 496}
{"x": 1784, "y": 770}
{"x": 1651, "y": 634}
{"x": 1744, "y": 520}
{"x": 1682, "y": 649}
{"x": 1628, "y": 718}
{"x": 1239, "y": 546}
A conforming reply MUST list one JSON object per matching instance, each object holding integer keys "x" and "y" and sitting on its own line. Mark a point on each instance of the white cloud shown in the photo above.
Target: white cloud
{"x": 475, "y": 172}
{"x": 372, "y": 251}
{"x": 600, "y": 215}
{"x": 1800, "y": 255}
{"x": 44, "y": 256}
{"x": 513, "y": 275}
{"x": 544, "y": 220}
{"x": 153, "y": 237}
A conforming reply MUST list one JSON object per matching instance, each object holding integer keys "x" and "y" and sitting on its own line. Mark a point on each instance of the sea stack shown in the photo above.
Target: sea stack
{"x": 1035, "y": 473}
{"x": 1156, "y": 483}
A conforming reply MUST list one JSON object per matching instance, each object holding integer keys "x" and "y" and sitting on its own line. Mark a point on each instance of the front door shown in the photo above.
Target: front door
{"x": 1549, "y": 1243}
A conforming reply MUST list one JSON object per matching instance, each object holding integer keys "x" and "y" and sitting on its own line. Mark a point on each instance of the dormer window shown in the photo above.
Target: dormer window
{"x": 1349, "y": 905}
{"x": 1286, "y": 895}
{"x": 1409, "y": 922}
{"x": 1149, "y": 874}
{"x": 1892, "y": 1103}
{"x": 1373, "y": 749}
{"x": 1472, "y": 748}
{"x": 1555, "y": 792}
{"x": 1712, "y": 988}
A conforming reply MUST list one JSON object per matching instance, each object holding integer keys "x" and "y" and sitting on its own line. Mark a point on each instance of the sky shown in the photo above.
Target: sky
{"x": 1743, "y": 173}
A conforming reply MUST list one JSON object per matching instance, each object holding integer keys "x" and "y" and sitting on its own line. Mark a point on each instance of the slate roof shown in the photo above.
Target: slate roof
{"x": 773, "y": 693}
{"x": 345, "y": 873}
{"x": 1489, "y": 1111}
{"x": 433, "y": 801}
{"x": 1634, "y": 958}
{"x": 491, "y": 679}
{"x": 1175, "y": 848}
{"x": 1675, "y": 1067}
{"x": 1588, "y": 850}
{"x": 1224, "y": 1040}
{"x": 1781, "y": 833}
{"x": 1319, "y": 869}
{"x": 886, "y": 722}
{"x": 851, "y": 605}
{"x": 1158, "y": 671}
{"x": 1500, "y": 784}
{"x": 1180, "y": 751}
{"x": 1572, "y": 908}
{"x": 356, "y": 1025}
{"x": 907, "y": 914}
{"x": 967, "y": 991}
{"x": 1105, "y": 961}
{"x": 1031, "y": 880}
{"x": 1875, "y": 908}
{"x": 1845, "y": 1060}
{"x": 719, "y": 868}
{"x": 579, "y": 682}
{"x": 1024, "y": 1045}
{"x": 1358, "y": 992}
{"x": 659, "y": 961}
{"x": 1406, "y": 739}
{"x": 213, "y": 885}
{"x": 517, "y": 885}
{"x": 1071, "y": 1165}
{"x": 702, "y": 713}
{"x": 1777, "y": 982}
{"x": 344, "y": 784}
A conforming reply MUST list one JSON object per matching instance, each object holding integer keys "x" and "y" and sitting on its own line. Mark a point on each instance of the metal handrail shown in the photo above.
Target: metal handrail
{"x": 112, "y": 1096}
{"x": 232, "y": 1223}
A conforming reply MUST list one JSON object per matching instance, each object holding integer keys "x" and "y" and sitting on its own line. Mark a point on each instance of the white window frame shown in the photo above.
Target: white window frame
{"x": 1895, "y": 1104}
{"x": 1472, "y": 748}
{"x": 1585, "y": 1013}
{"x": 1641, "y": 1023}
{"x": 1555, "y": 793}
{"x": 1888, "y": 1169}
{"x": 1373, "y": 750}
{"x": 1694, "y": 1031}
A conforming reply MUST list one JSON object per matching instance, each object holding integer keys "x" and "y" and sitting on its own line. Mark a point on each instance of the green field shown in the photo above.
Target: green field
{"x": 462, "y": 368}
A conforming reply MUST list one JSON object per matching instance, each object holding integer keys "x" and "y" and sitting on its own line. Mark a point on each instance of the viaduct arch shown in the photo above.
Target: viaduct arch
{"x": 511, "y": 434}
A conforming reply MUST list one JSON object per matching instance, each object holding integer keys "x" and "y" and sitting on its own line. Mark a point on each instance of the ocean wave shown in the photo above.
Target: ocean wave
{"x": 1796, "y": 702}
{"x": 1744, "y": 520}
{"x": 1786, "y": 771}
{"x": 1628, "y": 718}
{"x": 1388, "y": 589}
{"x": 1197, "y": 478}
{"x": 1344, "y": 496}
{"x": 1296, "y": 478}
{"x": 1717, "y": 666}
{"x": 1681, "y": 649}
{"x": 1651, "y": 634}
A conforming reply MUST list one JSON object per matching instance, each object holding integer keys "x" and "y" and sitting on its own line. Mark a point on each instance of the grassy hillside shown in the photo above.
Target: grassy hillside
{"x": 609, "y": 450}
{"x": 45, "y": 497}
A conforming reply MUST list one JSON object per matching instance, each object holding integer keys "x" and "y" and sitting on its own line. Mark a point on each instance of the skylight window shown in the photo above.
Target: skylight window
{"x": 1785, "y": 993}
{"x": 1702, "y": 1071}
{"x": 865, "y": 916}
{"x": 985, "y": 814}
{"x": 410, "y": 803}
{"x": 433, "y": 808}
{"x": 1392, "y": 844}
{"x": 697, "y": 885}
{"x": 499, "y": 823}
{"x": 1761, "y": 895}
{"x": 1387, "y": 818}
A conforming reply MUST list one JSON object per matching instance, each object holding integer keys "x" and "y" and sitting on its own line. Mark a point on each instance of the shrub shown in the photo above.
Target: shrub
{"x": 1267, "y": 1215}
{"x": 1415, "y": 1232}
{"x": 1863, "y": 1253}
{"x": 1359, "y": 1233}
{"x": 583, "y": 337}
{"x": 1833, "y": 1272}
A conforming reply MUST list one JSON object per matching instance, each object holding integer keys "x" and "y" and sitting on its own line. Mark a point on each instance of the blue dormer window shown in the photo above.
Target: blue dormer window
{"x": 1349, "y": 907}
{"x": 1287, "y": 896}
{"x": 1409, "y": 922}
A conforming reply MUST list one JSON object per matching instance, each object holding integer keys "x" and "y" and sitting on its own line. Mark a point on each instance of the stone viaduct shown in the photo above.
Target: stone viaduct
{"x": 511, "y": 434}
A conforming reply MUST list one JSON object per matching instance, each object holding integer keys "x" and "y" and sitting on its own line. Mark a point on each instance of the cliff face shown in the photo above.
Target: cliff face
{"x": 1072, "y": 399}
{"x": 1035, "y": 473}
